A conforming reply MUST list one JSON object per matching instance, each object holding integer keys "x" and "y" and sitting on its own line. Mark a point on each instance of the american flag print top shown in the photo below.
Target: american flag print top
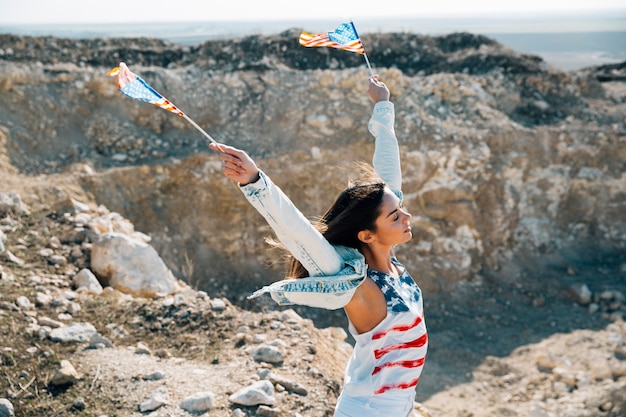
{"x": 388, "y": 360}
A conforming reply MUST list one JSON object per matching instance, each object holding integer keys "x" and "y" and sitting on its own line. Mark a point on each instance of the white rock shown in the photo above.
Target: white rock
{"x": 47, "y": 321}
{"x": 73, "y": 332}
{"x": 201, "y": 401}
{"x": 123, "y": 261}
{"x": 42, "y": 299}
{"x": 581, "y": 293}
{"x": 66, "y": 374}
{"x": 217, "y": 304}
{"x": 6, "y": 408}
{"x": 23, "y": 302}
{"x": 261, "y": 392}
{"x": 266, "y": 353}
{"x": 159, "y": 398}
{"x": 85, "y": 279}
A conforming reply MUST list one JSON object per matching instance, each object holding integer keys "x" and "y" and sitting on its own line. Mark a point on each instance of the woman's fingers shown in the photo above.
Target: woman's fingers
{"x": 216, "y": 147}
{"x": 231, "y": 164}
{"x": 228, "y": 154}
{"x": 236, "y": 164}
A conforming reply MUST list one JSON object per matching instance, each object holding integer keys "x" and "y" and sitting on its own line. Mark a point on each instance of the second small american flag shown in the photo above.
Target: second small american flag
{"x": 344, "y": 37}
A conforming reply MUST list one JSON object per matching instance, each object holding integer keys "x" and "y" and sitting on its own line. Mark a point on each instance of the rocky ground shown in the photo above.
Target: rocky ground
{"x": 550, "y": 349}
{"x": 532, "y": 327}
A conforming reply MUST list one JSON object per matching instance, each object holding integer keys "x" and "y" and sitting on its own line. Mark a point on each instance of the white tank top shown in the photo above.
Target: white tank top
{"x": 387, "y": 361}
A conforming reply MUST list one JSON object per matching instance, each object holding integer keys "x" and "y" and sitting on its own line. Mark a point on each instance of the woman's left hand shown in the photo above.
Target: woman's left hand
{"x": 377, "y": 90}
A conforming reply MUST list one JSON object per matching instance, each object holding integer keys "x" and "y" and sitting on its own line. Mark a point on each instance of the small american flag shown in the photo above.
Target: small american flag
{"x": 135, "y": 87}
{"x": 344, "y": 37}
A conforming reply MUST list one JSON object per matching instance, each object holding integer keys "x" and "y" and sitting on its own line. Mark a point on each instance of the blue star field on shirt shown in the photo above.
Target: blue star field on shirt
{"x": 397, "y": 291}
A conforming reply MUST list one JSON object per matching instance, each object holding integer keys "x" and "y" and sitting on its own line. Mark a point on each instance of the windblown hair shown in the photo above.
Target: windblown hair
{"x": 355, "y": 209}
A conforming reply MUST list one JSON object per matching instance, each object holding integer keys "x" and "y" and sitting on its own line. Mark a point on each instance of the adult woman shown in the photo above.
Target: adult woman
{"x": 349, "y": 261}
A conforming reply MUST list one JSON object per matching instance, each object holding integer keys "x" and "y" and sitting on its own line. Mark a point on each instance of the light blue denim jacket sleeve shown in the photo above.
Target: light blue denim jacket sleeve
{"x": 386, "y": 160}
{"x": 335, "y": 272}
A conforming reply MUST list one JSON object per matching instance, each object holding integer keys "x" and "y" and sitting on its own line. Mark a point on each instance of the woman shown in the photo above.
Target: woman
{"x": 348, "y": 262}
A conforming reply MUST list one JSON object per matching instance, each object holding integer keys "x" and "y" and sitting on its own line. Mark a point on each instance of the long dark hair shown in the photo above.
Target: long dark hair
{"x": 355, "y": 209}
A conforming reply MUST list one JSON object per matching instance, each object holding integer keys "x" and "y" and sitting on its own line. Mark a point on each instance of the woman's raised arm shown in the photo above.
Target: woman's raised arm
{"x": 291, "y": 227}
{"x": 386, "y": 159}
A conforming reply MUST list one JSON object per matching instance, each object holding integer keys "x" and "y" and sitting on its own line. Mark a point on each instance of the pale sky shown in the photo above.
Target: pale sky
{"x": 131, "y": 11}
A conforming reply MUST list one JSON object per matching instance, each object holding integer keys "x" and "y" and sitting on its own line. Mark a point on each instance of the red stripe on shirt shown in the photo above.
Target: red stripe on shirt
{"x": 399, "y": 328}
{"x": 399, "y": 385}
{"x": 404, "y": 364}
{"x": 417, "y": 343}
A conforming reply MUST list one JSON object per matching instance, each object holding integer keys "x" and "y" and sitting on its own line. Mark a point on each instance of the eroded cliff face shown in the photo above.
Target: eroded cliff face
{"x": 502, "y": 156}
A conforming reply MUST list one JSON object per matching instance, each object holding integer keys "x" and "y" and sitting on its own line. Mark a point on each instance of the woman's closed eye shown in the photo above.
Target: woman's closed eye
{"x": 398, "y": 211}
{"x": 394, "y": 215}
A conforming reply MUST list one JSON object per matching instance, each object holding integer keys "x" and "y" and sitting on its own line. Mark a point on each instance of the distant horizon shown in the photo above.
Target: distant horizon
{"x": 570, "y": 41}
{"x": 574, "y": 22}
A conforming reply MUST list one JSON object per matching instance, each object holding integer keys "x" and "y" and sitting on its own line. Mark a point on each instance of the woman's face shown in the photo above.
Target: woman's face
{"x": 393, "y": 225}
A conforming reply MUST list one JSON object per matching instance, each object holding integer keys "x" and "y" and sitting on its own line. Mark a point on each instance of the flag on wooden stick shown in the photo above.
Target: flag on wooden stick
{"x": 345, "y": 37}
{"x": 136, "y": 87}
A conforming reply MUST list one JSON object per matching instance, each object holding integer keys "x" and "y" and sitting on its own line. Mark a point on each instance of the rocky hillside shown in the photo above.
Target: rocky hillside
{"x": 514, "y": 172}
{"x": 501, "y": 153}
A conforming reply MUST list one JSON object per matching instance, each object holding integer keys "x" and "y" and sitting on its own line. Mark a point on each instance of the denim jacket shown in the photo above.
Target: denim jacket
{"x": 335, "y": 272}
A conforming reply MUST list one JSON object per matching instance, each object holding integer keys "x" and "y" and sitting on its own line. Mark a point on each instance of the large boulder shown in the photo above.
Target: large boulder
{"x": 126, "y": 263}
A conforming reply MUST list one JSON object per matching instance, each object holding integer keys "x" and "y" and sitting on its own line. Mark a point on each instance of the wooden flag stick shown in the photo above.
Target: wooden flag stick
{"x": 367, "y": 61}
{"x": 194, "y": 124}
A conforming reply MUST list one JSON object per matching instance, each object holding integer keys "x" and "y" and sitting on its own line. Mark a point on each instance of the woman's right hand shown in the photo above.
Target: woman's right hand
{"x": 236, "y": 164}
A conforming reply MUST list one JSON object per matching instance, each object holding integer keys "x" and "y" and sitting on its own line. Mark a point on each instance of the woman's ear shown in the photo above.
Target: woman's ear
{"x": 365, "y": 236}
